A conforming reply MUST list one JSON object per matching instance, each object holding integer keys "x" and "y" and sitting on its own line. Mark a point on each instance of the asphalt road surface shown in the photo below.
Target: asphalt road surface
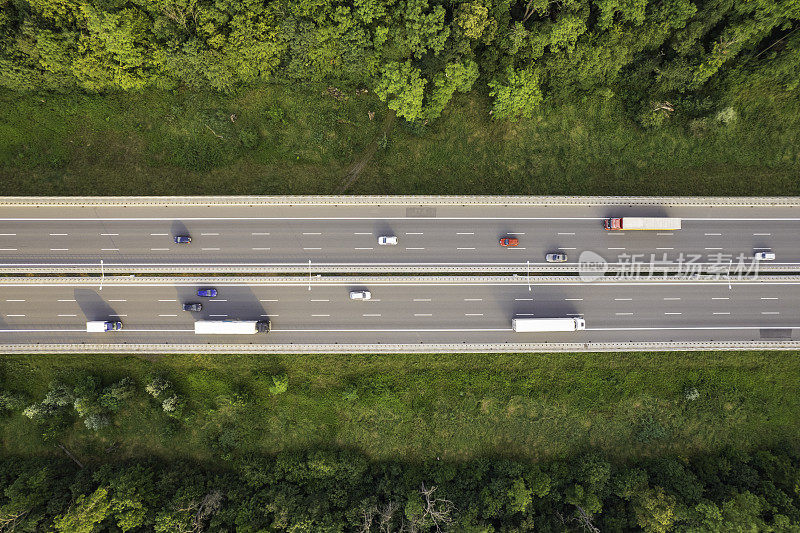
{"x": 300, "y": 238}
{"x": 433, "y": 312}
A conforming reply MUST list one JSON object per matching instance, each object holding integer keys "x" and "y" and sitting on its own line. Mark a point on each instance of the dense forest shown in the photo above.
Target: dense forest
{"x": 658, "y": 56}
{"x": 333, "y": 491}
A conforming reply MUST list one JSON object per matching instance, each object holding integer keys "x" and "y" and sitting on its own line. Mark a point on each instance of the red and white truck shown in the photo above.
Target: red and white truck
{"x": 642, "y": 223}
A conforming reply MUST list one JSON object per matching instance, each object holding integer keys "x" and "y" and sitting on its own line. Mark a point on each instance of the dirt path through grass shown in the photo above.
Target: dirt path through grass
{"x": 355, "y": 169}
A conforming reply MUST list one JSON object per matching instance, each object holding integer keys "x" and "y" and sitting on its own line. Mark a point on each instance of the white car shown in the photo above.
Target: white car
{"x": 764, "y": 256}
{"x": 360, "y": 295}
{"x": 383, "y": 240}
{"x": 556, "y": 258}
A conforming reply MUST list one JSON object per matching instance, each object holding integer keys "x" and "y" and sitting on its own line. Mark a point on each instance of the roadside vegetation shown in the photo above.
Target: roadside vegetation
{"x": 554, "y": 442}
{"x": 418, "y": 407}
{"x": 276, "y": 139}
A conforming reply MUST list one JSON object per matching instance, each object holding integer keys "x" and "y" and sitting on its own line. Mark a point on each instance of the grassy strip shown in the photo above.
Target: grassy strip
{"x": 534, "y": 406}
{"x": 273, "y": 139}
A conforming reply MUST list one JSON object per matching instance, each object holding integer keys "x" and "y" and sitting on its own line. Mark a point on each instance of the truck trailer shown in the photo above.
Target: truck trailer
{"x": 642, "y": 223}
{"x": 231, "y": 327}
{"x": 541, "y": 325}
{"x": 100, "y": 326}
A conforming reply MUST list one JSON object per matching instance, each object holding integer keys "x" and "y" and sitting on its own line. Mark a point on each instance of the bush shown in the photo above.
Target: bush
{"x": 96, "y": 422}
{"x": 158, "y": 387}
{"x": 280, "y": 384}
{"x": 11, "y": 401}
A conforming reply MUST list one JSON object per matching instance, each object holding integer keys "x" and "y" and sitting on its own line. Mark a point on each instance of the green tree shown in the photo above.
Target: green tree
{"x": 402, "y": 88}
{"x": 86, "y": 514}
{"x": 518, "y": 95}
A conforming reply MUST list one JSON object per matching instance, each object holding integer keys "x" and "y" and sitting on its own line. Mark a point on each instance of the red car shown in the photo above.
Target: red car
{"x": 509, "y": 241}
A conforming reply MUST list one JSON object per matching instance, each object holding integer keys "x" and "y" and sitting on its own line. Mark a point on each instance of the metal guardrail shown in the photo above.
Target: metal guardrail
{"x": 302, "y": 281}
{"x": 32, "y": 348}
{"x": 197, "y": 201}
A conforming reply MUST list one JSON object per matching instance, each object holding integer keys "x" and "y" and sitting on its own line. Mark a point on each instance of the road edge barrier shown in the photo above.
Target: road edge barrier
{"x": 255, "y": 201}
{"x": 302, "y": 348}
{"x": 304, "y": 280}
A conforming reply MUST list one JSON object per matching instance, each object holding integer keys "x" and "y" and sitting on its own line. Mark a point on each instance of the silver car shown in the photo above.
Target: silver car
{"x": 556, "y": 258}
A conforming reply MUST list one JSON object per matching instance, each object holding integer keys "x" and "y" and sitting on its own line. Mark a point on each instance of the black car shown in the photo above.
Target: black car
{"x": 193, "y": 307}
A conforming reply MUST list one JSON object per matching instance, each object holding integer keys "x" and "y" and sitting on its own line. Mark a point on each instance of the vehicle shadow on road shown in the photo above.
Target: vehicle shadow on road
{"x": 93, "y": 305}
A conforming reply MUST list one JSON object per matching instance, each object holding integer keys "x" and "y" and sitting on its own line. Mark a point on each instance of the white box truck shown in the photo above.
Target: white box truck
{"x": 642, "y": 223}
{"x": 231, "y": 327}
{"x": 541, "y": 325}
{"x": 100, "y": 326}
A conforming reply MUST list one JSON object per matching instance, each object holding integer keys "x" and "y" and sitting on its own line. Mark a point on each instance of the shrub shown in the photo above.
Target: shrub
{"x": 727, "y": 116}
{"x": 11, "y": 401}
{"x": 58, "y": 396}
{"x": 280, "y": 384}
{"x": 158, "y": 387}
{"x": 96, "y": 421}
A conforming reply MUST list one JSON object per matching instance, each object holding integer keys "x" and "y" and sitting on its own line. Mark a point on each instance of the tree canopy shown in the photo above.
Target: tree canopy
{"x": 414, "y": 53}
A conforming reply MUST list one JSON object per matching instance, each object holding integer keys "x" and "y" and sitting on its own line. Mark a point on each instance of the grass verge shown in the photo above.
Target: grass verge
{"x": 274, "y": 139}
{"x": 526, "y": 406}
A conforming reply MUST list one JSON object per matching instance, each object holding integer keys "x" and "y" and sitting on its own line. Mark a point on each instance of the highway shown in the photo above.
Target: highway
{"x": 402, "y": 310}
{"x": 304, "y": 238}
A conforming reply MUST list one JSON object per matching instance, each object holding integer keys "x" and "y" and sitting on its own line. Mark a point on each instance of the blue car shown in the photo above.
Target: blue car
{"x": 208, "y": 293}
{"x": 183, "y": 239}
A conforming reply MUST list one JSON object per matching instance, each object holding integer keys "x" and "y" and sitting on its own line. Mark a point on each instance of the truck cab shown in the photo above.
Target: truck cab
{"x": 100, "y": 326}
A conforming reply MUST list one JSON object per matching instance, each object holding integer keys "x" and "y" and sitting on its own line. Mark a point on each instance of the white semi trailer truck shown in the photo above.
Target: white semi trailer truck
{"x": 542, "y": 325}
{"x": 642, "y": 223}
{"x": 231, "y": 327}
